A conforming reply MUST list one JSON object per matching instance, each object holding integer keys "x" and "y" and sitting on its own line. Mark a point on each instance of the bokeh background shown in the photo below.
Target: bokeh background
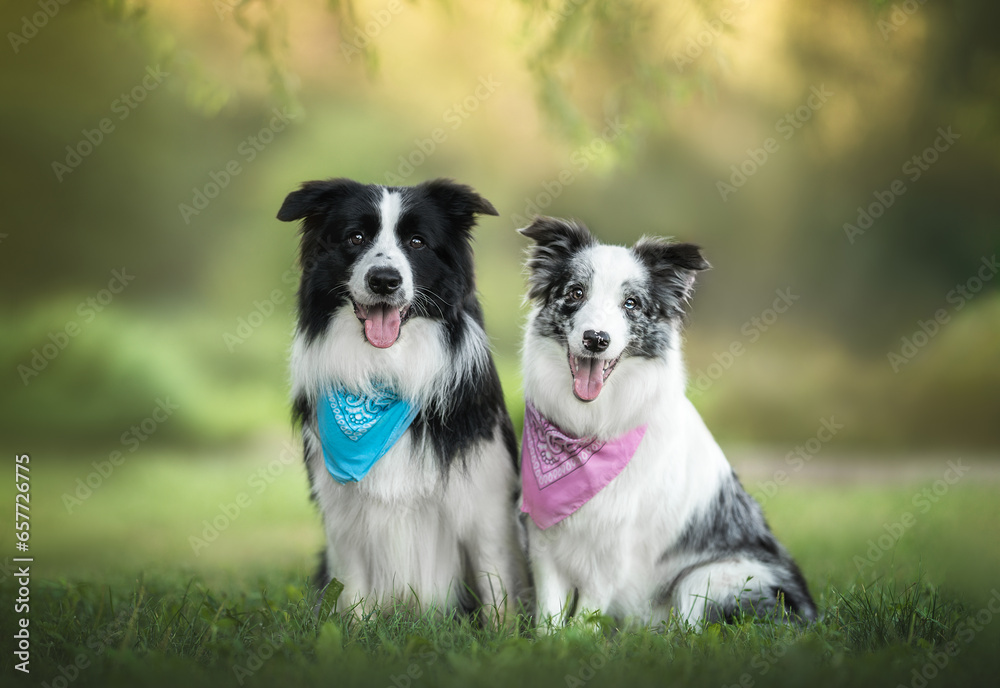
{"x": 143, "y": 266}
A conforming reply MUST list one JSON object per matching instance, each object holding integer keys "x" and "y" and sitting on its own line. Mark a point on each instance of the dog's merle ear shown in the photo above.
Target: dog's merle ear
{"x": 315, "y": 198}
{"x": 559, "y": 236}
{"x": 673, "y": 266}
{"x": 461, "y": 202}
{"x": 556, "y": 241}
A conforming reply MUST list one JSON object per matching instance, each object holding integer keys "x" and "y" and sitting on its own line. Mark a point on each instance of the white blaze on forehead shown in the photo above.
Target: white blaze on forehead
{"x": 390, "y": 209}
{"x": 384, "y": 251}
{"x": 610, "y": 267}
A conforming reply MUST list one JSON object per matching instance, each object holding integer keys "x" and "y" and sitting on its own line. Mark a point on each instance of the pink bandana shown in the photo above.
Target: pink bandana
{"x": 559, "y": 473}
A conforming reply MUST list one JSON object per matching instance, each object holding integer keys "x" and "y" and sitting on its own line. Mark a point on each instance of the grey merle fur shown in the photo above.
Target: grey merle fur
{"x": 734, "y": 523}
{"x": 554, "y": 268}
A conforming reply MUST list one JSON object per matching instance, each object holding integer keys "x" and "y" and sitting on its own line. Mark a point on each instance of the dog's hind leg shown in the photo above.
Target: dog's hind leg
{"x": 723, "y": 590}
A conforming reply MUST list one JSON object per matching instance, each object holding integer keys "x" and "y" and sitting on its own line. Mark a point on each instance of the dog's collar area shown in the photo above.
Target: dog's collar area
{"x": 356, "y": 430}
{"x": 560, "y": 473}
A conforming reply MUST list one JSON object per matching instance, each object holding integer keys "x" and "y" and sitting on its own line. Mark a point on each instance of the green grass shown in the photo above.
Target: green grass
{"x": 118, "y": 589}
{"x": 168, "y": 630}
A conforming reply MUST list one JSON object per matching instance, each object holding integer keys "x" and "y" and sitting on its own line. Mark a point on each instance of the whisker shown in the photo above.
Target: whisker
{"x": 425, "y": 292}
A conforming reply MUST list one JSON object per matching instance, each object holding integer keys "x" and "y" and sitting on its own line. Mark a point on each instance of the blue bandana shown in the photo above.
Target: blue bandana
{"x": 357, "y": 430}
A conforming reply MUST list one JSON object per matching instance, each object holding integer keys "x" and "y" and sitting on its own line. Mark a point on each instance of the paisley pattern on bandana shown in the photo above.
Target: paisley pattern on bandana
{"x": 560, "y": 473}
{"x": 357, "y": 430}
{"x": 554, "y": 454}
{"x": 356, "y": 414}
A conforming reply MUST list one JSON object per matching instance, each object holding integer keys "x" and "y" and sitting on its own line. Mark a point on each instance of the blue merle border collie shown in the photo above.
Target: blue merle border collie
{"x": 674, "y": 532}
{"x": 387, "y": 301}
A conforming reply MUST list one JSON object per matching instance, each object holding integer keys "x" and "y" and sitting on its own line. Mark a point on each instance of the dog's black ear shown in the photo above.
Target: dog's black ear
{"x": 461, "y": 202}
{"x": 315, "y": 198}
{"x": 556, "y": 241}
{"x": 673, "y": 266}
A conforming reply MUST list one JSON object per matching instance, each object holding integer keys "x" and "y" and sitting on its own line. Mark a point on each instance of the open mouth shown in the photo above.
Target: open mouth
{"x": 382, "y": 322}
{"x": 589, "y": 375}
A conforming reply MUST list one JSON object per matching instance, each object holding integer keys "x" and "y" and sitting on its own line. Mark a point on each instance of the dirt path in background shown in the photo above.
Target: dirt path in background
{"x": 753, "y": 463}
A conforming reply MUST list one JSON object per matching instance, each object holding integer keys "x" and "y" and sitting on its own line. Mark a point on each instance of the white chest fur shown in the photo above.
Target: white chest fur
{"x": 410, "y": 531}
{"x": 610, "y": 548}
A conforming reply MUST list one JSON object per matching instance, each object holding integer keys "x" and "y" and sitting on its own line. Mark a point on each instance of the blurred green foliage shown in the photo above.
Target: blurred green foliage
{"x": 699, "y": 87}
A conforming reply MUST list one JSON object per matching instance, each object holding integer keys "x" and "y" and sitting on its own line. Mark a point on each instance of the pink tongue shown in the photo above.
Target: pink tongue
{"x": 382, "y": 326}
{"x": 588, "y": 378}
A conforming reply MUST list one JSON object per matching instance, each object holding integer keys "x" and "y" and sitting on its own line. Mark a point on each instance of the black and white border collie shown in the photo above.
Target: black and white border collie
{"x": 674, "y": 530}
{"x": 387, "y": 300}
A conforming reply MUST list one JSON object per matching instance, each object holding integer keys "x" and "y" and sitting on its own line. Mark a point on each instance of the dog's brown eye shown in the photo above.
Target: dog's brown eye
{"x": 357, "y": 238}
{"x": 417, "y": 242}
{"x": 631, "y": 304}
{"x": 576, "y": 293}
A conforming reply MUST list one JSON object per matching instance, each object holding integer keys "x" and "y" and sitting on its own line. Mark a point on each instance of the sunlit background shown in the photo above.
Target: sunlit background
{"x": 839, "y": 162}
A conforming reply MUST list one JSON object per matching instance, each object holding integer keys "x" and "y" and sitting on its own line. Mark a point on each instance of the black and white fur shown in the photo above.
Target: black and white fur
{"x": 674, "y": 530}
{"x": 432, "y": 525}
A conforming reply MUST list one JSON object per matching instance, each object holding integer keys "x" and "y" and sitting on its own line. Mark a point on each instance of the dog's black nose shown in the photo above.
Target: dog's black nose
{"x": 384, "y": 281}
{"x": 596, "y": 341}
